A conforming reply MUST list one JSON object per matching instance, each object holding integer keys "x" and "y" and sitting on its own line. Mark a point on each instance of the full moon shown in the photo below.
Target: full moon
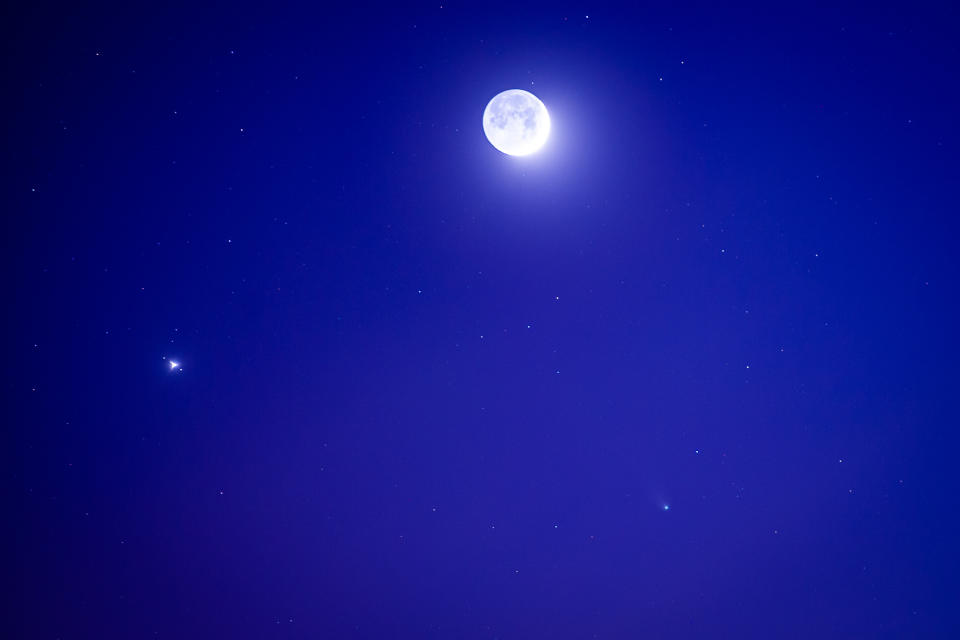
{"x": 516, "y": 122}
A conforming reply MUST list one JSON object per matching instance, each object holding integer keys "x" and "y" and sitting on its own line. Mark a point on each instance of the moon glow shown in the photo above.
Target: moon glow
{"x": 516, "y": 122}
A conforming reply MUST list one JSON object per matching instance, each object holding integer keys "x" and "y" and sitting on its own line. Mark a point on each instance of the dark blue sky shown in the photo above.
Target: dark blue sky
{"x": 429, "y": 390}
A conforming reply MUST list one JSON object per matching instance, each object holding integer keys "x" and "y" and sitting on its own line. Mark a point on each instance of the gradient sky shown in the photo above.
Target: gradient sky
{"x": 429, "y": 390}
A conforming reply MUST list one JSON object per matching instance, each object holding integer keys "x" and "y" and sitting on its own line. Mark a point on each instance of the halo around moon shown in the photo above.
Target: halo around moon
{"x": 516, "y": 122}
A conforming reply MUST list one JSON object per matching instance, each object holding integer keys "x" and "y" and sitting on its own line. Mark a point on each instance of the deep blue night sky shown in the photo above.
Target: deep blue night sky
{"x": 690, "y": 371}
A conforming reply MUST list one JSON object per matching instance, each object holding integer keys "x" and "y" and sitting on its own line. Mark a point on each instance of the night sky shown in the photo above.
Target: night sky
{"x": 689, "y": 371}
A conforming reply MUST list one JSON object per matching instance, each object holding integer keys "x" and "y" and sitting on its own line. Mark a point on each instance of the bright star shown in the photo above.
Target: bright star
{"x": 666, "y": 507}
{"x": 174, "y": 365}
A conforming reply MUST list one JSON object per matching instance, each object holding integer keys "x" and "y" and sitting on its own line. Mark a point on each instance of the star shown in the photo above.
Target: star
{"x": 175, "y": 366}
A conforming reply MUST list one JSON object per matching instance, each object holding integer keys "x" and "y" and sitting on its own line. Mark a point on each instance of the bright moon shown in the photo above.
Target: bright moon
{"x": 516, "y": 122}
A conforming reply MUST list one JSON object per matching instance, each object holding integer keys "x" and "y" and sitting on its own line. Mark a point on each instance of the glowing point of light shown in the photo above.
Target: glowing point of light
{"x": 174, "y": 365}
{"x": 666, "y": 507}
